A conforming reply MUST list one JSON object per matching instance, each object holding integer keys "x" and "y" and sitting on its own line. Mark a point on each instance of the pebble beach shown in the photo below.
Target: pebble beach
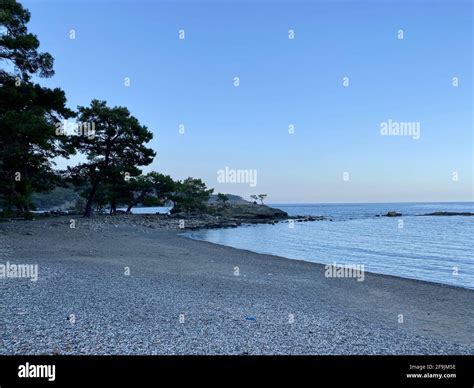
{"x": 135, "y": 285}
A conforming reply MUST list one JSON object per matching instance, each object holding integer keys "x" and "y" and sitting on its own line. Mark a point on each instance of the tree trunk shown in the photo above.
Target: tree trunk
{"x": 90, "y": 200}
{"x": 113, "y": 207}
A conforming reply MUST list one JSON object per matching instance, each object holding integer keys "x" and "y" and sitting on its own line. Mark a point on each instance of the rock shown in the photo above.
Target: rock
{"x": 467, "y": 214}
{"x": 246, "y": 211}
{"x": 393, "y": 214}
{"x": 307, "y": 218}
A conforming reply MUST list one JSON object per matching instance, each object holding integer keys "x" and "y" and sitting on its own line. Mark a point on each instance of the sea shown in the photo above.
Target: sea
{"x": 438, "y": 249}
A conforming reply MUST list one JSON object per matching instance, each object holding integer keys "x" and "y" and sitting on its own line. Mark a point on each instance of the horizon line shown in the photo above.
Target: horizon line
{"x": 361, "y": 203}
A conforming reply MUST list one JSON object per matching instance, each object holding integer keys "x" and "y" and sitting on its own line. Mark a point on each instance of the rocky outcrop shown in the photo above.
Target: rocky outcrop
{"x": 214, "y": 216}
{"x": 449, "y": 214}
{"x": 393, "y": 214}
{"x": 229, "y": 216}
{"x": 246, "y": 211}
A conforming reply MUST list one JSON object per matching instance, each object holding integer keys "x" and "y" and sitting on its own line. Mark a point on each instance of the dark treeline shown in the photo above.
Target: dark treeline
{"x": 34, "y": 130}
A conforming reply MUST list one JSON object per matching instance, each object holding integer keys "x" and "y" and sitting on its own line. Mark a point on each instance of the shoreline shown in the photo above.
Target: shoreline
{"x": 173, "y": 277}
{"x": 182, "y": 234}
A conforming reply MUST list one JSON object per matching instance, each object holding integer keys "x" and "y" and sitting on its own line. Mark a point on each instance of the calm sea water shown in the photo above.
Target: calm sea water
{"x": 425, "y": 248}
{"x": 149, "y": 210}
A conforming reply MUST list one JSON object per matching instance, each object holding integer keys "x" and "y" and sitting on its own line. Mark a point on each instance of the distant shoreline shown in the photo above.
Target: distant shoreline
{"x": 364, "y": 203}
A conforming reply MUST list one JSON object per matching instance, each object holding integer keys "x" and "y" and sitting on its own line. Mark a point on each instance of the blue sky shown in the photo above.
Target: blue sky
{"x": 282, "y": 81}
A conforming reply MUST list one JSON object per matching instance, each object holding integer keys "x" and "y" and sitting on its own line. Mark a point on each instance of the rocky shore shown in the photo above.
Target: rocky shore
{"x": 215, "y": 216}
{"x": 440, "y": 214}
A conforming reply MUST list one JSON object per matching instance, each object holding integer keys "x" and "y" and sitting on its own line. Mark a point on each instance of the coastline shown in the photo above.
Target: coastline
{"x": 174, "y": 278}
{"x": 183, "y": 234}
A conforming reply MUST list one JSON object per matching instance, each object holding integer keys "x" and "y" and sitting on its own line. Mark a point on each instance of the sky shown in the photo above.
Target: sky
{"x": 405, "y": 61}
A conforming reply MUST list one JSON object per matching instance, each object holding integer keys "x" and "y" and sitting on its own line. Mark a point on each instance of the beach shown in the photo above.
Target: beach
{"x": 108, "y": 286}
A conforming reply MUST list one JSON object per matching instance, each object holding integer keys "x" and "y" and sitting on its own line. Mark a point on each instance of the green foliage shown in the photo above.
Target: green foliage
{"x": 164, "y": 187}
{"x": 79, "y": 206}
{"x": 28, "y": 216}
{"x": 18, "y": 46}
{"x": 29, "y": 140}
{"x": 259, "y": 197}
{"x": 114, "y": 152}
{"x": 191, "y": 195}
{"x": 152, "y": 189}
{"x": 28, "y": 113}
{"x": 55, "y": 198}
{"x": 223, "y": 198}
